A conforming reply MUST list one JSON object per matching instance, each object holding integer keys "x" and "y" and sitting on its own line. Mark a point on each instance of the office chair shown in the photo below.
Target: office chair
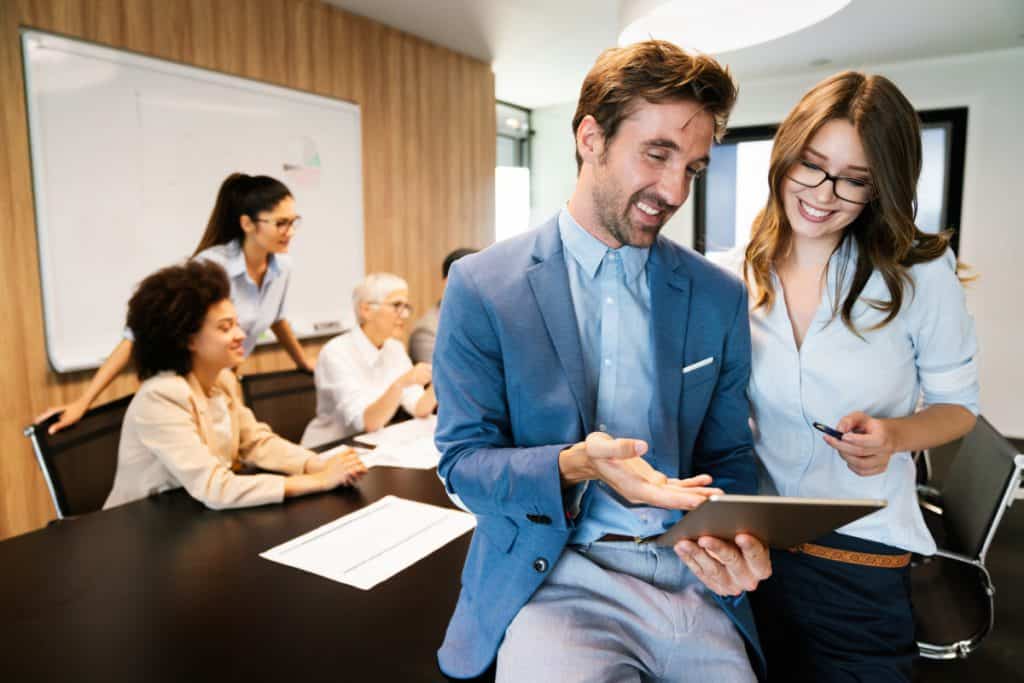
{"x": 952, "y": 591}
{"x": 285, "y": 400}
{"x": 79, "y": 463}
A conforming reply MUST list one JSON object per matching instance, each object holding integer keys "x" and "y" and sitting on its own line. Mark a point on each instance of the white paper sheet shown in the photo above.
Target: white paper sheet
{"x": 401, "y": 432}
{"x": 373, "y": 544}
{"x": 419, "y": 454}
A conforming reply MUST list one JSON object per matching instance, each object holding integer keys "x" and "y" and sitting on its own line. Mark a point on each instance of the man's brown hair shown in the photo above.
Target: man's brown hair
{"x": 657, "y": 71}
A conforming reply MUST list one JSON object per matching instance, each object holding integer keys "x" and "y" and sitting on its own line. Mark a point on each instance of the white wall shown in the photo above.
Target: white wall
{"x": 992, "y": 231}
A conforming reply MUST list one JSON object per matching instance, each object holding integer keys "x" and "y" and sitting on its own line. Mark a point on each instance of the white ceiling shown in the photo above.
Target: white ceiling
{"x": 540, "y": 50}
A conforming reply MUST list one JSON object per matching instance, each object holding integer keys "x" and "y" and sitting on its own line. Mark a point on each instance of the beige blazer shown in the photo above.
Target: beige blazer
{"x": 167, "y": 441}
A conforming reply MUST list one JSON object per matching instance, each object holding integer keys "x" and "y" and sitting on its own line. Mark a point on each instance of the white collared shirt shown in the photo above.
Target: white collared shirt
{"x": 926, "y": 354}
{"x": 258, "y": 307}
{"x": 351, "y": 373}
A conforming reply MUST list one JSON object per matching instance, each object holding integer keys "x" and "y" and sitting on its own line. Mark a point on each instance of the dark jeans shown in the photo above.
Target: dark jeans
{"x": 822, "y": 621}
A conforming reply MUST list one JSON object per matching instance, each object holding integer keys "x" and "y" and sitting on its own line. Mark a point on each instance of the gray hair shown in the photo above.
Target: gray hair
{"x": 374, "y": 288}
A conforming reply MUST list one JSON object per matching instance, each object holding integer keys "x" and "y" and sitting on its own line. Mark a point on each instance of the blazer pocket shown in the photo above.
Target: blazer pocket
{"x": 500, "y": 531}
{"x": 698, "y": 373}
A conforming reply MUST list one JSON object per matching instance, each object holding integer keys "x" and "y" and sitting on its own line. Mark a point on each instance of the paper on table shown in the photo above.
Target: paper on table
{"x": 373, "y": 544}
{"x": 400, "y": 432}
{"x": 420, "y": 454}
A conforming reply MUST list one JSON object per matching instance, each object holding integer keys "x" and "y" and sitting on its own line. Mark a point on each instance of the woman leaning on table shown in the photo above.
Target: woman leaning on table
{"x": 249, "y": 232}
{"x": 857, "y": 316}
{"x": 187, "y": 425}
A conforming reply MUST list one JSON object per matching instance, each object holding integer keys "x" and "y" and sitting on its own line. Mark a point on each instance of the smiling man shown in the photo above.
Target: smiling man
{"x": 591, "y": 378}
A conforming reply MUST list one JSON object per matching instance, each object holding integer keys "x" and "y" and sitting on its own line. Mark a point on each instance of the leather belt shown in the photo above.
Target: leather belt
{"x": 620, "y": 538}
{"x": 853, "y": 557}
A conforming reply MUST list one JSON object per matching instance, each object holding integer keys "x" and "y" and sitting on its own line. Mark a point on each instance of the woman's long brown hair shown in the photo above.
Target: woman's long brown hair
{"x": 888, "y": 239}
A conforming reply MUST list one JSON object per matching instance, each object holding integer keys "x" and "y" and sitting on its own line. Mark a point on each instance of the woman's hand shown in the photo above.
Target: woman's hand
{"x": 70, "y": 414}
{"x": 420, "y": 374}
{"x": 343, "y": 469}
{"x": 867, "y": 444}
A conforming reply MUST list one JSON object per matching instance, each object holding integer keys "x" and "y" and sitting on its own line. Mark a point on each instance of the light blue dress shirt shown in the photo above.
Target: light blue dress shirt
{"x": 925, "y": 355}
{"x": 612, "y": 301}
{"x": 257, "y": 307}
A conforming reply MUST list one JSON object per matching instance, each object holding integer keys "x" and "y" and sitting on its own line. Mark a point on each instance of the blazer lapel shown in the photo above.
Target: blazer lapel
{"x": 670, "y": 307}
{"x": 549, "y": 281}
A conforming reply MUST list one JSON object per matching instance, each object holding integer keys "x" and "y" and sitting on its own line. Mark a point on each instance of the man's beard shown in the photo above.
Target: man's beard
{"x": 619, "y": 225}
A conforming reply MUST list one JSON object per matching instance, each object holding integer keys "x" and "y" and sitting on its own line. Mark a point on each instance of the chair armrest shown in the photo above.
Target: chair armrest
{"x": 957, "y": 557}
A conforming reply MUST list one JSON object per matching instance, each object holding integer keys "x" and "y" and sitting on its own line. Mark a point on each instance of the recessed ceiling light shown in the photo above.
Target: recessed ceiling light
{"x": 721, "y": 26}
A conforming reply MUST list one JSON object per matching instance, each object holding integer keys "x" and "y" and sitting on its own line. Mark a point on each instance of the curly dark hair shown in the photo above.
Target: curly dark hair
{"x": 168, "y": 308}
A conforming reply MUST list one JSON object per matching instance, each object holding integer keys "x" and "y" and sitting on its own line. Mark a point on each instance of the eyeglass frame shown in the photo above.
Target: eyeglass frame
{"x": 282, "y": 224}
{"x": 834, "y": 179}
{"x": 400, "y": 307}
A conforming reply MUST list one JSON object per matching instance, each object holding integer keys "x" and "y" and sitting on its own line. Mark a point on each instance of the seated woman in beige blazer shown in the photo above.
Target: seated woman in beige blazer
{"x": 187, "y": 425}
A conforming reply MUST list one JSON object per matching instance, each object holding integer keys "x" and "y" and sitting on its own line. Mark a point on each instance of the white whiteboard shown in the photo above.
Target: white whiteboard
{"x": 127, "y": 155}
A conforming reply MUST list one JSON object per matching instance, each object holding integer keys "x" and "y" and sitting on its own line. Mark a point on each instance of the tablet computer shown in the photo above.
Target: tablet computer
{"x": 780, "y": 522}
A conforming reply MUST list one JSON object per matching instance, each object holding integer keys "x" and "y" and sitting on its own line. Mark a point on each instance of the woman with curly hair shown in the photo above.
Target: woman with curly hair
{"x": 857, "y": 319}
{"x": 250, "y": 228}
{"x": 187, "y": 425}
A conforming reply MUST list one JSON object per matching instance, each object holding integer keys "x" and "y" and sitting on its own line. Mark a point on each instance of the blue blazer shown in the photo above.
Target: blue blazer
{"x": 508, "y": 371}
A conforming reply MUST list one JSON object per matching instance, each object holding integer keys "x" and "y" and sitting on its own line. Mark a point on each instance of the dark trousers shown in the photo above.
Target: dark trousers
{"x": 824, "y": 621}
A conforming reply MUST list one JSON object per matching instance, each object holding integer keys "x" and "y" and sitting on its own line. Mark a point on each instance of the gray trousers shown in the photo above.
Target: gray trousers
{"x": 617, "y": 612}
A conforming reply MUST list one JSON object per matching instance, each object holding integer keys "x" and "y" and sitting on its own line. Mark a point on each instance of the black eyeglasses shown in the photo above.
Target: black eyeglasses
{"x": 282, "y": 224}
{"x": 853, "y": 190}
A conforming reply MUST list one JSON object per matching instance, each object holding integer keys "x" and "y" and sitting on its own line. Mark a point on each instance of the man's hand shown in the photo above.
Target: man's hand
{"x": 727, "y": 568}
{"x": 617, "y": 462}
{"x": 867, "y": 445}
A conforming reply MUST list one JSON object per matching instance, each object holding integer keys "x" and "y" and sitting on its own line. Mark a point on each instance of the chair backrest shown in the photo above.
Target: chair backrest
{"x": 285, "y": 400}
{"x": 982, "y": 481}
{"x": 79, "y": 462}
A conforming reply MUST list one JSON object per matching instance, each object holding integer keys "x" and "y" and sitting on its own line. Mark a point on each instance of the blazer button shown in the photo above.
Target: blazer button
{"x": 540, "y": 565}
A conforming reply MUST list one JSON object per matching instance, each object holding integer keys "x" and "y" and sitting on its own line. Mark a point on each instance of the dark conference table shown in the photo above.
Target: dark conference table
{"x": 165, "y": 590}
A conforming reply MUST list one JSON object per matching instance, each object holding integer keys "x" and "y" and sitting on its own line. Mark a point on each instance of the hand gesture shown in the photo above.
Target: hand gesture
{"x": 618, "y": 463}
{"x": 867, "y": 443}
{"x": 725, "y": 567}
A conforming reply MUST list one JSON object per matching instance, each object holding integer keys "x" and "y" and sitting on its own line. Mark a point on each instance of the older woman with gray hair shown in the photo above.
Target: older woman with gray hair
{"x": 364, "y": 375}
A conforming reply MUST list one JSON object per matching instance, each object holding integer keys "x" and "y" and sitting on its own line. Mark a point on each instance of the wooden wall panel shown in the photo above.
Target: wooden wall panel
{"x": 428, "y": 164}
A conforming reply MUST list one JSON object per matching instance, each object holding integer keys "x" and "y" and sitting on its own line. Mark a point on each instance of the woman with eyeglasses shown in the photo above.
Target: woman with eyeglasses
{"x": 859, "y": 324}
{"x": 187, "y": 425}
{"x": 248, "y": 234}
{"x": 363, "y": 376}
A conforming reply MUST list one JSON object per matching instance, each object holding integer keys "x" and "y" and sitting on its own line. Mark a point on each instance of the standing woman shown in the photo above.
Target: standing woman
{"x": 857, "y": 319}
{"x": 248, "y": 234}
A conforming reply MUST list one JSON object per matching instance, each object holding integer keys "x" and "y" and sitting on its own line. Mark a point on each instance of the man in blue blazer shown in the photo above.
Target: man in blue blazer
{"x": 591, "y": 380}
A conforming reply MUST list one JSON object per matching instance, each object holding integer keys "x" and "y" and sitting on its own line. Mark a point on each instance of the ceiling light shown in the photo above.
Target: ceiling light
{"x": 721, "y": 26}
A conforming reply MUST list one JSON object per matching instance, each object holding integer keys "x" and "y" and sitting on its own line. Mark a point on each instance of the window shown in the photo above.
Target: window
{"x": 735, "y": 188}
{"x": 512, "y": 175}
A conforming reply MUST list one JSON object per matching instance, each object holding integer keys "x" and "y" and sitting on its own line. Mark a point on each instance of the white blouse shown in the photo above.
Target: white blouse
{"x": 351, "y": 373}
{"x": 926, "y": 354}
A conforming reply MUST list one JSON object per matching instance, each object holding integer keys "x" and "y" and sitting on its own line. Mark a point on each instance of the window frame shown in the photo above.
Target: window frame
{"x": 954, "y": 119}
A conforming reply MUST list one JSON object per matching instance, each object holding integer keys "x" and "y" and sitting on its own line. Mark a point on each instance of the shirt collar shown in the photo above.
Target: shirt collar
{"x": 364, "y": 347}
{"x": 589, "y": 251}
{"x": 234, "y": 262}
